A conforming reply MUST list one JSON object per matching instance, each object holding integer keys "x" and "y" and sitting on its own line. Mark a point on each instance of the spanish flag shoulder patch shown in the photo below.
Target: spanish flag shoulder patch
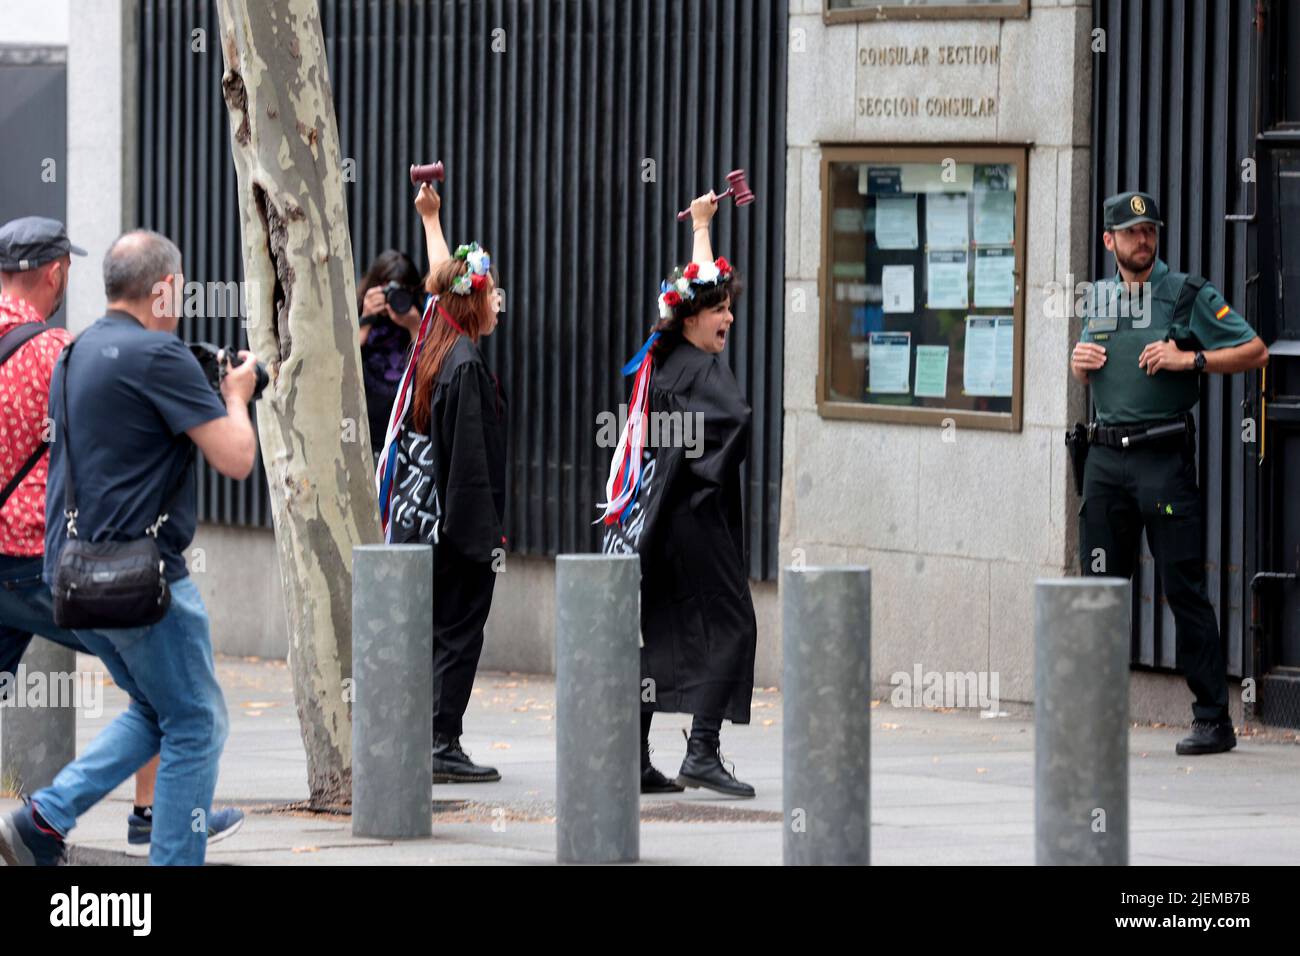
{"x": 1222, "y": 312}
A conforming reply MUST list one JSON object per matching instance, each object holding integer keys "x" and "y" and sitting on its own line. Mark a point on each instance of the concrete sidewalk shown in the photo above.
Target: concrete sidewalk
{"x": 947, "y": 787}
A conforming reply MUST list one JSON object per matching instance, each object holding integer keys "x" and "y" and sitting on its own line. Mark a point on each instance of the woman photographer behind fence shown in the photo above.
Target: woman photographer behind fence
{"x": 389, "y": 299}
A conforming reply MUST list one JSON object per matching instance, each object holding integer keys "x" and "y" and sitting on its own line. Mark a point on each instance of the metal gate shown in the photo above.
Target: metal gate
{"x": 34, "y": 128}
{"x": 1173, "y": 97}
{"x": 572, "y": 131}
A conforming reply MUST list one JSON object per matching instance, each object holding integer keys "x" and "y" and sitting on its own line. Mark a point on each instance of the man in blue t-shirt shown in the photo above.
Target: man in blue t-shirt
{"x": 129, "y": 403}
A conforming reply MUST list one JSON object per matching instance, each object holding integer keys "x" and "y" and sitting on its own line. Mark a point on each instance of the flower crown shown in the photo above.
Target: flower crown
{"x": 479, "y": 263}
{"x": 681, "y": 284}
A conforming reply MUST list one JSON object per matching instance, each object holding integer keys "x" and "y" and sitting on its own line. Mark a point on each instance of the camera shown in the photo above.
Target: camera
{"x": 216, "y": 362}
{"x": 399, "y": 298}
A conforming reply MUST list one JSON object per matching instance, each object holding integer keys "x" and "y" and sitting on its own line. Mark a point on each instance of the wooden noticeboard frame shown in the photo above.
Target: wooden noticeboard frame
{"x": 883, "y": 12}
{"x": 1017, "y": 156}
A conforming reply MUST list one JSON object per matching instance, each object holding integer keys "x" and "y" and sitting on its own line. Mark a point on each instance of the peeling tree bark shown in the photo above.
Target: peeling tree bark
{"x": 302, "y": 324}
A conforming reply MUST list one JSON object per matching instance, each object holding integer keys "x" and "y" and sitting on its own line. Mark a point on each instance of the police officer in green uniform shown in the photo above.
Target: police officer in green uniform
{"x": 1149, "y": 335}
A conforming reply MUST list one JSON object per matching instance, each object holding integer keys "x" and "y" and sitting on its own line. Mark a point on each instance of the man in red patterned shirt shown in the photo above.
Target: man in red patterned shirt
{"x": 35, "y": 256}
{"x": 34, "y": 261}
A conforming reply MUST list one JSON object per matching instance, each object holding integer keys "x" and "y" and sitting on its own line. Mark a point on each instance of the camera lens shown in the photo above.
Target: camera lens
{"x": 399, "y": 298}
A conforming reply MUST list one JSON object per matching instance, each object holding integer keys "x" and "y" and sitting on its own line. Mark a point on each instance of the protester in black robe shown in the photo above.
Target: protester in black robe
{"x": 449, "y": 482}
{"x": 686, "y": 522}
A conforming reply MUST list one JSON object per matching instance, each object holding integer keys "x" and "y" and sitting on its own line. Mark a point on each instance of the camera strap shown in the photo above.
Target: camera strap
{"x": 10, "y": 342}
{"x": 69, "y": 492}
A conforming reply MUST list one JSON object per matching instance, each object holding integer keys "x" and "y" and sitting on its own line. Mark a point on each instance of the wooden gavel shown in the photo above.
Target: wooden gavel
{"x": 427, "y": 173}
{"x": 736, "y": 186}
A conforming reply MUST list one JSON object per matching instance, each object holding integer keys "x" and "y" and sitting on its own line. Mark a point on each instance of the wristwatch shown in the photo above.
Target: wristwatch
{"x": 1199, "y": 362}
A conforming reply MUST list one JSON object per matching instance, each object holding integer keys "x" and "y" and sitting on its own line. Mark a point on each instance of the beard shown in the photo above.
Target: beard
{"x": 1138, "y": 261}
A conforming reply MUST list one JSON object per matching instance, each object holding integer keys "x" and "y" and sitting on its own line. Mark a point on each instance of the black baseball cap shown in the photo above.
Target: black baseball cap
{"x": 32, "y": 241}
{"x": 1129, "y": 209}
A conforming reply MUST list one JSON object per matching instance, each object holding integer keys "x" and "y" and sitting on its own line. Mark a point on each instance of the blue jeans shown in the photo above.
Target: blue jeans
{"x": 176, "y": 707}
{"x": 26, "y": 609}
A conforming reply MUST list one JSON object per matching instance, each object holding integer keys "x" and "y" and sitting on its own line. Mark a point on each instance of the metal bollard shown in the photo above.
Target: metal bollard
{"x": 36, "y": 742}
{"x": 1081, "y": 649}
{"x": 392, "y": 672}
{"x": 598, "y": 724}
{"x": 826, "y": 632}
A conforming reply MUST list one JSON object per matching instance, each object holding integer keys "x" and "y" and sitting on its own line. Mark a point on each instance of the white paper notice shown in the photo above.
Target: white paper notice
{"x": 947, "y": 279}
{"x": 896, "y": 222}
{"x": 946, "y": 221}
{"x": 1006, "y": 351}
{"x": 995, "y": 277}
{"x": 889, "y": 358}
{"x": 990, "y": 348}
{"x": 995, "y": 217}
{"x": 931, "y": 371}
{"x": 897, "y": 285}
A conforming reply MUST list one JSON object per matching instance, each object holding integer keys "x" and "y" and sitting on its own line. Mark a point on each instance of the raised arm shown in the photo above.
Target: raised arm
{"x": 429, "y": 205}
{"x": 702, "y": 210}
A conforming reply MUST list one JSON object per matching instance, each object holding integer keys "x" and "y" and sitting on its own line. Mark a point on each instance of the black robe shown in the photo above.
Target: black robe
{"x": 450, "y": 484}
{"x": 450, "y": 492}
{"x": 697, "y": 616}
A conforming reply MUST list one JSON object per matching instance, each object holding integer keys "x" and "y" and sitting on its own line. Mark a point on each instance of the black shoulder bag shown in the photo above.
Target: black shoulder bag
{"x": 108, "y": 584}
{"x": 415, "y": 508}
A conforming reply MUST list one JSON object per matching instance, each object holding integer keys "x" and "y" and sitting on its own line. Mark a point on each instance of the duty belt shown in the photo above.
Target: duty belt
{"x": 1126, "y": 436}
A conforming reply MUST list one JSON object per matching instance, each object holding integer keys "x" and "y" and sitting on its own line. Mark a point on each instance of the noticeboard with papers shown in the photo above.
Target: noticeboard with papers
{"x": 922, "y": 284}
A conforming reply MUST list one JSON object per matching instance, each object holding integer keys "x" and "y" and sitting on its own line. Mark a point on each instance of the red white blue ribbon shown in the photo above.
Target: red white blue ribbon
{"x": 405, "y": 392}
{"x": 625, "y": 469}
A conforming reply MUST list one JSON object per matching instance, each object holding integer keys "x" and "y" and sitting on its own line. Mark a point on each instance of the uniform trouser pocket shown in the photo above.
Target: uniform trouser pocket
{"x": 1177, "y": 534}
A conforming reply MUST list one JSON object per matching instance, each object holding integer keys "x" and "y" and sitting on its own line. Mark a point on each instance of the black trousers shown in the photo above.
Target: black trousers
{"x": 1153, "y": 487}
{"x": 462, "y": 597}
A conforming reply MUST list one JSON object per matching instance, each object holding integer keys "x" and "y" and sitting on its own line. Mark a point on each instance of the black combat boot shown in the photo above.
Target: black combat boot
{"x": 652, "y": 781}
{"x": 452, "y": 765}
{"x": 1208, "y": 737}
{"x": 703, "y": 767}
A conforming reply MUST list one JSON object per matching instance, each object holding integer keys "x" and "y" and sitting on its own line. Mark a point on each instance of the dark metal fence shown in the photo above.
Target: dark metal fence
{"x": 572, "y": 131}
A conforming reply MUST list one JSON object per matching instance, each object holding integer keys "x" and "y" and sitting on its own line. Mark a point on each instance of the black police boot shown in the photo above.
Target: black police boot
{"x": 452, "y": 765}
{"x": 1208, "y": 737}
{"x": 703, "y": 768}
{"x": 652, "y": 781}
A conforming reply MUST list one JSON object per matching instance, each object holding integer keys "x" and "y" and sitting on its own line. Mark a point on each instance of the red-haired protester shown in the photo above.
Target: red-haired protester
{"x": 442, "y": 475}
